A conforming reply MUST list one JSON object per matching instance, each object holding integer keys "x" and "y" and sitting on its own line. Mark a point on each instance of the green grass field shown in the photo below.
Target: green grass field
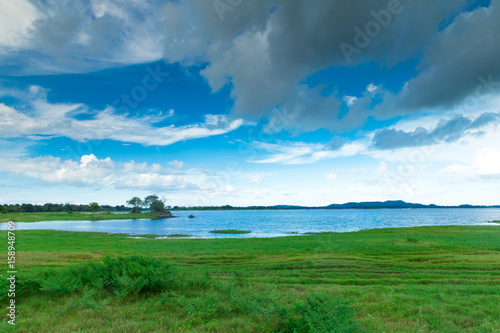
{"x": 63, "y": 216}
{"x": 428, "y": 279}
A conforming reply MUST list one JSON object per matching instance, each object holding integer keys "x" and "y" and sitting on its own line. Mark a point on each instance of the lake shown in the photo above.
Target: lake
{"x": 275, "y": 223}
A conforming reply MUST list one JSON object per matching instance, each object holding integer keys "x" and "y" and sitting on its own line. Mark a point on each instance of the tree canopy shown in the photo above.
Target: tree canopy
{"x": 154, "y": 203}
{"x": 150, "y": 199}
{"x": 136, "y": 203}
{"x": 94, "y": 206}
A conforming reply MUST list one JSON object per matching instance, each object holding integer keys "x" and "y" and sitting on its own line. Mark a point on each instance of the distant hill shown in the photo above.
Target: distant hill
{"x": 379, "y": 205}
{"x": 390, "y": 204}
{"x": 394, "y": 204}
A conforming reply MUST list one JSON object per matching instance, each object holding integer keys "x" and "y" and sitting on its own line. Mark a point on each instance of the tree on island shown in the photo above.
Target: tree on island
{"x": 150, "y": 200}
{"x": 94, "y": 206}
{"x": 156, "y": 206}
{"x": 136, "y": 203}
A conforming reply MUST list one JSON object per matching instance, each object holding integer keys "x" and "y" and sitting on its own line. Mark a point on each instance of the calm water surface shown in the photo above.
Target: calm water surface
{"x": 275, "y": 223}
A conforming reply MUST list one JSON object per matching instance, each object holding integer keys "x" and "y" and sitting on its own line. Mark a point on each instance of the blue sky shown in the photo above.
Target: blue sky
{"x": 250, "y": 102}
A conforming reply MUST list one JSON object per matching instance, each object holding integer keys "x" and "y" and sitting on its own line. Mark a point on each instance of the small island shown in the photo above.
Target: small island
{"x": 230, "y": 231}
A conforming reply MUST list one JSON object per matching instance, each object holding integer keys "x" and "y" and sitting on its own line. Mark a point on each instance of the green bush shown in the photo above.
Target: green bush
{"x": 270, "y": 312}
{"x": 25, "y": 285}
{"x": 121, "y": 275}
{"x": 198, "y": 301}
{"x": 88, "y": 299}
{"x": 318, "y": 314}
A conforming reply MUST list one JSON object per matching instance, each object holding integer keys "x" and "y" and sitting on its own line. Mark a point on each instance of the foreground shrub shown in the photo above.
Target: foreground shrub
{"x": 318, "y": 314}
{"x": 268, "y": 311}
{"x": 121, "y": 275}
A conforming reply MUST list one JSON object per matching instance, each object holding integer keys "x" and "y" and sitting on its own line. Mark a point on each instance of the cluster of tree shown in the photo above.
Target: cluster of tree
{"x": 54, "y": 208}
{"x": 151, "y": 202}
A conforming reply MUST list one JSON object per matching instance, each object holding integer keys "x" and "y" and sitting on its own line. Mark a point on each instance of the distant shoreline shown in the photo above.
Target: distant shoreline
{"x": 85, "y": 216}
{"x": 397, "y": 204}
{"x": 76, "y": 216}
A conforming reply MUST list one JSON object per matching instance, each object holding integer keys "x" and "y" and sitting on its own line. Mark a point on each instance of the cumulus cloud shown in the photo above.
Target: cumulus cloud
{"x": 16, "y": 18}
{"x": 90, "y": 171}
{"x": 78, "y": 36}
{"x": 255, "y": 180}
{"x": 177, "y": 164}
{"x": 446, "y": 131}
{"x": 331, "y": 176}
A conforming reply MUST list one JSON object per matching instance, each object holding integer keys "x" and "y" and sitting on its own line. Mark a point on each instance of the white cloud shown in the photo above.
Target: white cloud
{"x": 55, "y": 120}
{"x": 371, "y": 88}
{"x": 152, "y": 180}
{"x": 382, "y": 168}
{"x": 16, "y": 21}
{"x": 486, "y": 165}
{"x": 331, "y": 176}
{"x": 350, "y": 100}
{"x": 305, "y": 153}
{"x": 101, "y": 173}
{"x": 177, "y": 164}
{"x": 255, "y": 180}
{"x": 358, "y": 170}
{"x": 78, "y": 36}
{"x": 229, "y": 189}
{"x": 86, "y": 159}
{"x": 89, "y": 171}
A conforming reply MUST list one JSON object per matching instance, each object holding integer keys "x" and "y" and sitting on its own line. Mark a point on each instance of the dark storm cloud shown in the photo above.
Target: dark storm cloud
{"x": 446, "y": 131}
{"x": 264, "y": 50}
{"x": 461, "y": 62}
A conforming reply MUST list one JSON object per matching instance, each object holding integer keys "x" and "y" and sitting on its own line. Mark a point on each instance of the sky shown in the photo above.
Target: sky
{"x": 250, "y": 102}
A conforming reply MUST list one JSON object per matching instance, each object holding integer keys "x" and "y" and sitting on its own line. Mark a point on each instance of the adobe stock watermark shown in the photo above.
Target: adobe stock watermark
{"x": 136, "y": 95}
{"x": 486, "y": 86}
{"x": 127, "y": 102}
{"x": 223, "y": 6}
{"x": 412, "y": 162}
{"x": 410, "y": 165}
{"x": 11, "y": 272}
{"x": 279, "y": 121}
{"x": 372, "y": 29}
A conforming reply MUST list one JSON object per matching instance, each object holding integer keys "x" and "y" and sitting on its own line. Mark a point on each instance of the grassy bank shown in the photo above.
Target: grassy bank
{"x": 429, "y": 279}
{"x": 74, "y": 216}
